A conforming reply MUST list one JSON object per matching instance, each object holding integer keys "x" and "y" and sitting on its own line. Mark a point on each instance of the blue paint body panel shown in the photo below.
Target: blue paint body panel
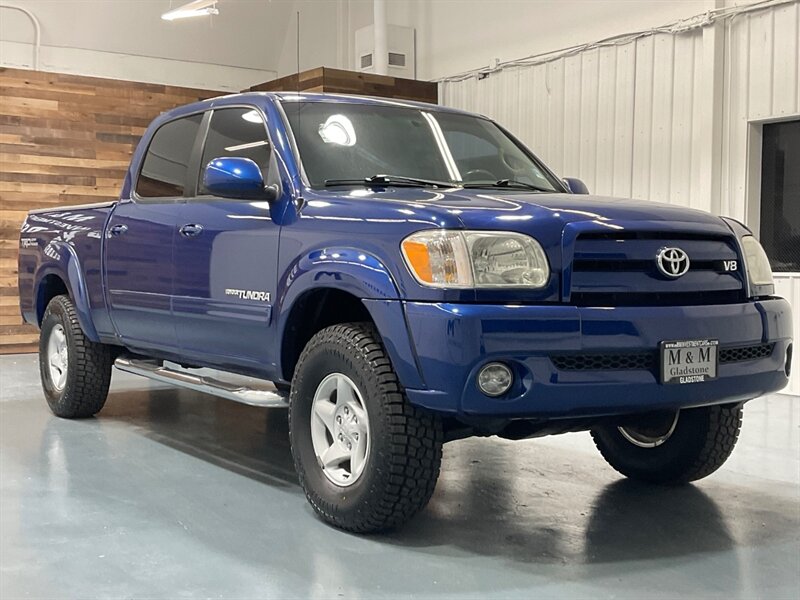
{"x": 454, "y": 340}
{"x": 222, "y": 295}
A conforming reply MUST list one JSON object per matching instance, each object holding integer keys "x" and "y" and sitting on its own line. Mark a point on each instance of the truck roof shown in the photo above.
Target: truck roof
{"x": 258, "y": 97}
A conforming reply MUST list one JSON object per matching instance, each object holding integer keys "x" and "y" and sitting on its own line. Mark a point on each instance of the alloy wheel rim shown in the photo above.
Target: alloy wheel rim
{"x": 340, "y": 429}
{"x": 57, "y": 357}
{"x": 649, "y": 439}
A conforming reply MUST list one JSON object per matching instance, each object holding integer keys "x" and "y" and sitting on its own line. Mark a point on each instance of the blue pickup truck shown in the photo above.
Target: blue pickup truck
{"x": 399, "y": 275}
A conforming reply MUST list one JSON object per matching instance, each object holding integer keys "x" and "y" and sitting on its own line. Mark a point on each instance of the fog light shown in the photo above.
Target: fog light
{"x": 494, "y": 379}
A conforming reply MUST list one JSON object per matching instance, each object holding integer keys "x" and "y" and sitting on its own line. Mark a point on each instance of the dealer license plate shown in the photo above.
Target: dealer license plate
{"x": 689, "y": 361}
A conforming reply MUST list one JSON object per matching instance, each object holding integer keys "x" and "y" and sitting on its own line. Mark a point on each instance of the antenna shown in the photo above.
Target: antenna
{"x": 298, "y": 51}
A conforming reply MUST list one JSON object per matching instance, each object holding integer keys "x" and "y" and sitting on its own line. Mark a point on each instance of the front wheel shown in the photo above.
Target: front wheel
{"x": 75, "y": 371}
{"x": 367, "y": 459}
{"x": 672, "y": 448}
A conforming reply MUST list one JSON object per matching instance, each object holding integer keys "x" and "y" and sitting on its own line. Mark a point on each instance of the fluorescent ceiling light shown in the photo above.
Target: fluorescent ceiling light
{"x": 247, "y": 146}
{"x": 198, "y": 8}
{"x": 252, "y": 116}
{"x": 338, "y": 129}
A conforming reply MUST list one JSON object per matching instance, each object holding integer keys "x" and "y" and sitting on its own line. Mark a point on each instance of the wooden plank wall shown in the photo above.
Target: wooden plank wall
{"x": 337, "y": 81}
{"x": 64, "y": 139}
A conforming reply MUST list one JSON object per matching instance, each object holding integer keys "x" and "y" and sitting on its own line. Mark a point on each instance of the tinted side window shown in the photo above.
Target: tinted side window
{"x": 236, "y": 132}
{"x": 163, "y": 173}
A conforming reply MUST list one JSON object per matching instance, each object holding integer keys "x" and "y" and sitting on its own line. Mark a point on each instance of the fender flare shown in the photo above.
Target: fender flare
{"x": 363, "y": 275}
{"x": 348, "y": 269}
{"x": 67, "y": 267}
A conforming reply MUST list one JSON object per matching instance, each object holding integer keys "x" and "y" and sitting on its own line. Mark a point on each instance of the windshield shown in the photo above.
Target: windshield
{"x": 343, "y": 143}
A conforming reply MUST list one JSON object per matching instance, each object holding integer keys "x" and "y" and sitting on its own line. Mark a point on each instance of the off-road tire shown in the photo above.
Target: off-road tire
{"x": 88, "y": 366}
{"x": 405, "y": 442}
{"x": 702, "y": 441}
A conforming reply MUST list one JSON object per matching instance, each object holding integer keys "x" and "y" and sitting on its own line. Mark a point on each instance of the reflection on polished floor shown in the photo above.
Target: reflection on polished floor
{"x": 170, "y": 494}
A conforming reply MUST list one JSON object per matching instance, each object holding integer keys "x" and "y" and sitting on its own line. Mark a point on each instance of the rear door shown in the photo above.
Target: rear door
{"x": 226, "y": 257}
{"x": 140, "y": 238}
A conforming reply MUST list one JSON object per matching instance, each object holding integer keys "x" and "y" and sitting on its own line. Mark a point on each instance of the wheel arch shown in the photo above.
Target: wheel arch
{"x": 311, "y": 312}
{"x": 319, "y": 295}
{"x": 62, "y": 274}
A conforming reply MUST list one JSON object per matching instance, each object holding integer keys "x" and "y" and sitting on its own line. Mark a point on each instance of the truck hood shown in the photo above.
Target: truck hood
{"x": 490, "y": 209}
{"x": 515, "y": 210}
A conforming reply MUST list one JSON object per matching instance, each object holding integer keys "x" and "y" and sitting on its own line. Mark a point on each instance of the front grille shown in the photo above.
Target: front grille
{"x": 655, "y": 298}
{"x": 743, "y": 353}
{"x": 620, "y": 269}
{"x": 605, "y": 362}
{"x": 645, "y": 361}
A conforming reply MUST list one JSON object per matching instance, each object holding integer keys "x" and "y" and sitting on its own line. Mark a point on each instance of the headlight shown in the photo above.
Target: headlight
{"x": 759, "y": 271}
{"x": 463, "y": 259}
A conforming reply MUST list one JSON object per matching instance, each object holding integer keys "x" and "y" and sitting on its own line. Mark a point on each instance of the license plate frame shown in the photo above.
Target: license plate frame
{"x": 684, "y": 362}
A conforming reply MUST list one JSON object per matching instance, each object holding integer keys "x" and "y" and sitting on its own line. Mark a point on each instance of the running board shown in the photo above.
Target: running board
{"x": 247, "y": 390}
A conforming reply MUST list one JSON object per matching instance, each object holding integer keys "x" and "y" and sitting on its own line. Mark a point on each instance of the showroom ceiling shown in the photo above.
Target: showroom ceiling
{"x": 245, "y": 34}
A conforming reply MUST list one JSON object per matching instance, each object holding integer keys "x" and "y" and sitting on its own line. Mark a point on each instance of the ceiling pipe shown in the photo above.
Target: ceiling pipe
{"x": 37, "y": 31}
{"x": 381, "y": 46}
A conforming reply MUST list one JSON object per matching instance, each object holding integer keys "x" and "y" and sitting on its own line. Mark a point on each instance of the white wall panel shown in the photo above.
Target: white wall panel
{"x": 762, "y": 83}
{"x": 620, "y": 118}
{"x": 455, "y": 36}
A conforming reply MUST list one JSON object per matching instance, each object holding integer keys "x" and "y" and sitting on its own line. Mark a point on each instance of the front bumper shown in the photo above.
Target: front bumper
{"x": 452, "y": 341}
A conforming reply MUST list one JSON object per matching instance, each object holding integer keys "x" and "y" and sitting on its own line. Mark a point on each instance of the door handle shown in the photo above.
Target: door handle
{"x": 191, "y": 230}
{"x": 117, "y": 230}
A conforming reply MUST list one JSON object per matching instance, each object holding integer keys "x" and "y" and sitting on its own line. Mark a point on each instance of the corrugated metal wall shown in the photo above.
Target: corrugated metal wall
{"x": 620, "y": 118}
{"x": 635, "y": 120}
{"x": 761, "y": 82}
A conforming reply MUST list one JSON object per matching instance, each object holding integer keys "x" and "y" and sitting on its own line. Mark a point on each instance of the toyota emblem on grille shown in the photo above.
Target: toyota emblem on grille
{"x": 672, "y": 262}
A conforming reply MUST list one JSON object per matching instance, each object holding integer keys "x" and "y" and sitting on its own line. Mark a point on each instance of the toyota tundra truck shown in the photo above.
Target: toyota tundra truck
{"x": 399, "y": 275}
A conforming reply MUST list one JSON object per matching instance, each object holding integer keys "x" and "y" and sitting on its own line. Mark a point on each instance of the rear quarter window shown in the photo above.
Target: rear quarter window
{"x": 166, "y": 163}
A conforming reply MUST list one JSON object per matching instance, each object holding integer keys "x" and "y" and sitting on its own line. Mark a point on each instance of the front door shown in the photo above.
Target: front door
{"x": 140, "y": 236}
{"x": 226, "y": 255}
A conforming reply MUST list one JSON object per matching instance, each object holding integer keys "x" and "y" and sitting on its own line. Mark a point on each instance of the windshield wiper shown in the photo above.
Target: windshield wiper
{"x": 401, "y": 180}
{"x": 507, "y": 183}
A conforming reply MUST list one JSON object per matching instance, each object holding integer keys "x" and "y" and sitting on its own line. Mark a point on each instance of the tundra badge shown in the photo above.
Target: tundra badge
{"x": 248, "y": 294}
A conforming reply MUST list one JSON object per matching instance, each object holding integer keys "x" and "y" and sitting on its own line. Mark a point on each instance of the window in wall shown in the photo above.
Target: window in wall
{"x": 780, "y": 195}
{"x": 163, "y": 173}
{"x": 237, "y": 132}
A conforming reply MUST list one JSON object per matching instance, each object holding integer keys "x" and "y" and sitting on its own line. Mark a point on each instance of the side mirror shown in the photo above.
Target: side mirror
{"x": 237, "y": 178}
{"x": 576, "y": 186}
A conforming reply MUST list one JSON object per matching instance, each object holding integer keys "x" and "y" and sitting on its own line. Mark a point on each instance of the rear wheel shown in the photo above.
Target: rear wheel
{"x": 367, "y": 460}
{"x": 672, "y": 448}
{"x": 75, "y": 371}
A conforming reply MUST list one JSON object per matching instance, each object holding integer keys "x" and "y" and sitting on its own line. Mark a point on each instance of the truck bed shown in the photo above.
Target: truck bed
{"x": 53, "y": 242}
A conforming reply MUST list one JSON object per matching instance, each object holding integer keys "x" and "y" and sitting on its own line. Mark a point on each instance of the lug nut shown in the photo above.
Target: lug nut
{"x": 339, "y": 419}
{"x": 346, "y": 410}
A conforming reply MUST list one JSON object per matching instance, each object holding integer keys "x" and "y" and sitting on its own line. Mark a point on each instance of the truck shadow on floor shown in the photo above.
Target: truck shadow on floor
{"x": 524, "y": 502}
{"x": 247, "y": 440}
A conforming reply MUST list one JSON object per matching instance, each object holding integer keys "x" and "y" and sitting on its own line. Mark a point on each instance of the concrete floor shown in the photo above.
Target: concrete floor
{"x": 172, "y": 494}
